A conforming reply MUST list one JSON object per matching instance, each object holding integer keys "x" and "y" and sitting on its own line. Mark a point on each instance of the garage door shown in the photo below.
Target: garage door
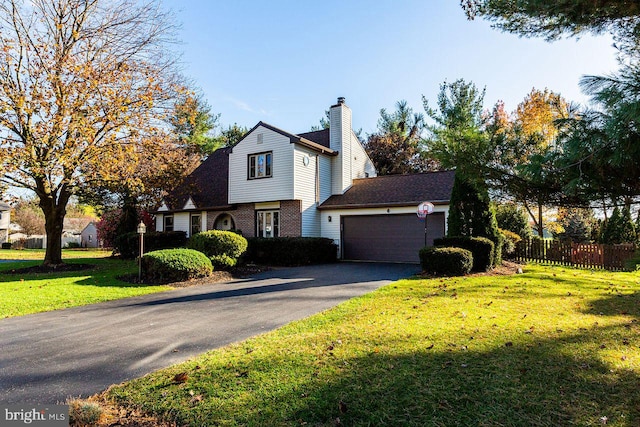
{"x": 391, "y": 238}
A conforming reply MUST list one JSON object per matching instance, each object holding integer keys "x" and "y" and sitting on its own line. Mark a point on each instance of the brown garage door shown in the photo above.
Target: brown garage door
{"x": 392, "y": 238}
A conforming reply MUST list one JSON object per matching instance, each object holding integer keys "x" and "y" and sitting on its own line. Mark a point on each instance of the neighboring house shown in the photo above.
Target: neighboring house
{"x": 273, "y": 183}
{"x": 5, "y": 220}
{"x": 89, "y": 236}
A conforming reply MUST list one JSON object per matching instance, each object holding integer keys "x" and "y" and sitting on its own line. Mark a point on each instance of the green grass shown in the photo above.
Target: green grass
{"x": 38, "y": 254}
{"x": 551, "y": 347}
{"x": 32, "y": 293}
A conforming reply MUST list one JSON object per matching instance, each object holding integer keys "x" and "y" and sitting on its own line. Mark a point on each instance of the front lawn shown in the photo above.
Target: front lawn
{"x": 552, "y": 347}
{"x": 38, "y": 254}
{"x": 31, "y": 293}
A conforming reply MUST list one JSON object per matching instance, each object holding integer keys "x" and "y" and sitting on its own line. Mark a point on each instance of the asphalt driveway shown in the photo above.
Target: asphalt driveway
{"x": 47, "y": 357}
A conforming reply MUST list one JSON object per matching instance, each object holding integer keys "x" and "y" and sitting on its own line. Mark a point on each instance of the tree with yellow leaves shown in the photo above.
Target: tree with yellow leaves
{"x": 84, "y": 89}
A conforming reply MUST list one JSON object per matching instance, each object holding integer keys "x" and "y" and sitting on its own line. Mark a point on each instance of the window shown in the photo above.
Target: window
{"x": 268, "y": 223}
{"x": 196, "y": 226}
{"x": 168, "y": 223}
{"x": 260, "y": 165}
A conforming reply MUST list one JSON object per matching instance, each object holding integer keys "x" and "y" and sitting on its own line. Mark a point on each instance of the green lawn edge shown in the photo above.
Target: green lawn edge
{"x": 553, "y": 346}
{"x": 22, "y": 294}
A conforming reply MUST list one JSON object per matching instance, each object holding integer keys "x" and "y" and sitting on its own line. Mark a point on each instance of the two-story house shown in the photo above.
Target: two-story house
{"x": 273, "y": 183}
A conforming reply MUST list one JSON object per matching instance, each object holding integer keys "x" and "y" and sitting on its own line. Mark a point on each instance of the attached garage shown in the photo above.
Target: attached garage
{"x": 388, "y": 238}
{"x": 375, "y": 219}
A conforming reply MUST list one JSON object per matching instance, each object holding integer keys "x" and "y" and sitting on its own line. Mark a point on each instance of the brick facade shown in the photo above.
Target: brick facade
{"x": 244, "y": 217}
{"x": 290, "y": 218}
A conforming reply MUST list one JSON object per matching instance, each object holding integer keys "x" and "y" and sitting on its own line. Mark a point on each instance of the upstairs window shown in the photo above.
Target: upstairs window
{"x": 260, "y": 165}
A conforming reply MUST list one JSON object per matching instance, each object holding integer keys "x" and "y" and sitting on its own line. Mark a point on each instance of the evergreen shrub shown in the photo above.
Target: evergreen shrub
{"x": 446, "y": 261}
{"x": 222, "y": 247}
{"x": 128, "y": 244}
{"x": 509, "y": 242}
{"x": 291, "y": 251}
{"x": 482, "y": 249}
{"x": 175, "y": 265}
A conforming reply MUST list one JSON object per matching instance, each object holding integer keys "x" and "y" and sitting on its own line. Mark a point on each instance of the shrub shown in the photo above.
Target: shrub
{"x": 483, "y": 250}
{"x": 175, "y": 265}
{"x": 84, "y": 413}
{"x": 223, "y": 262}
{"x": 128, "y": 245}
{"x": 509, "y": 241}
{"x": 446, "y": 261}
{"x": 291, "y": 251}
{"x": 222, "y": 247}
{"x": 72, "y": 245}
{"x": 6, "y": 245}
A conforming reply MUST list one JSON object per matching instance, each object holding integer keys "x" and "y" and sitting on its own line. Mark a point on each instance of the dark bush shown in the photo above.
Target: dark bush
{"x": 446, "y": 261}
{"x": 481, "y": 248}
{"x": 72, "y": 245}
{"x": 6, "y": 245}
{"x": 128, "y": 245}
{"x": 222, "y": 247}
{"x": 291, "y": 251}
{"x": 175, "y": 265}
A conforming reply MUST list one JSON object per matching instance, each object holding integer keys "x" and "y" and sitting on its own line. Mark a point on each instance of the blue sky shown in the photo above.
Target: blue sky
{"x": 286, "y": 62}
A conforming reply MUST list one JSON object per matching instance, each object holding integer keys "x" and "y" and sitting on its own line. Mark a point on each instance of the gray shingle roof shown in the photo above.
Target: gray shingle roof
{"x": 395, "y": 190}
{"x": 207, "y": 185}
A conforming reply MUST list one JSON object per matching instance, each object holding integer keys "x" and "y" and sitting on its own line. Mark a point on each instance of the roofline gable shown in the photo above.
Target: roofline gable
{"x": 293, "y": 139}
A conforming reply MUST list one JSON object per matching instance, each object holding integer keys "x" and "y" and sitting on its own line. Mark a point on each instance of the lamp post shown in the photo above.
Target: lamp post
{"x": 141, "y": 230}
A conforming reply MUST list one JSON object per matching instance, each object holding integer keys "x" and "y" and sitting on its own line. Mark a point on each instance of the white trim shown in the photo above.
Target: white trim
{"x": 267, "y": 205}
{"x": 163, "y": 207}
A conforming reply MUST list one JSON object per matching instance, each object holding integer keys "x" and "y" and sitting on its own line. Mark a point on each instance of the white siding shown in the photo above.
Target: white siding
{"x": 325, "y": 178}
{"x": 181, "y": 222}
{"x": 159, "y": 222}
{"x": 279, "y": 187}
{"x": 306, "y": 188}
{"x": 331, "y": 230}
{"x": 362, "y": 164}
{"x": 163, "y": 207}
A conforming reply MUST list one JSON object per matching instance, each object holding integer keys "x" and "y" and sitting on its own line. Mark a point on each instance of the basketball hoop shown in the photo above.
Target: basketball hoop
{"x": 424, "y": 209}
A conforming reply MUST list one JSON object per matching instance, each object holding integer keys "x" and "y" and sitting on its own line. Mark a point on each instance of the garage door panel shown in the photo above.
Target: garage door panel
{"x": 392, "y": 238}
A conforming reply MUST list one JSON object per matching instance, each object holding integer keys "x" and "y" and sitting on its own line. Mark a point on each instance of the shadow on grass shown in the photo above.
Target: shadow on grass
{"x": 103, "y": 273}
{"x": 617, "y": 304}
{"x": 536, "y": 384}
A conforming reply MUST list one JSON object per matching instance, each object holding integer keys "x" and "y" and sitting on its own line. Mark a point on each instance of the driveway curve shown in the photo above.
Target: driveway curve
{"x": 47, "y": 357}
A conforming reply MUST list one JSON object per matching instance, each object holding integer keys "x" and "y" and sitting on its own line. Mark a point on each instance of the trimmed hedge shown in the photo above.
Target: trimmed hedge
{"x": 6, "y": 245}
{"x": 483, "y": 249}
{"x": 128, "y": 245}
{"x": 292, "y": 251}
{"x": 175, "y": 265}
{"x": 222, "y": 247}
{"x": 446, "y": 261}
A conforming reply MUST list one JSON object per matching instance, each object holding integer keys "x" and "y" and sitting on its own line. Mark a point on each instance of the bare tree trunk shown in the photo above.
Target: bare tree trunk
{"x": 53, "y": 224}
{"x": 540, "y": 226}
{"x": 54, "y": 209}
